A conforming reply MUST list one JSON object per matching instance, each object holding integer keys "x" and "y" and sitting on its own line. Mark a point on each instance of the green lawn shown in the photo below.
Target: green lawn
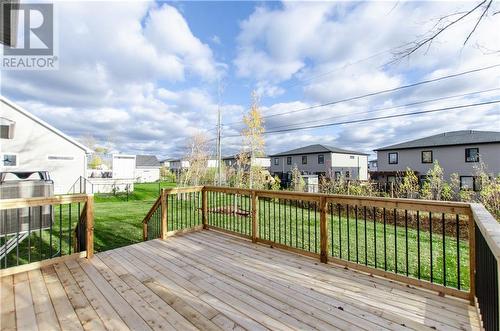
{"x": 118, "y": 222}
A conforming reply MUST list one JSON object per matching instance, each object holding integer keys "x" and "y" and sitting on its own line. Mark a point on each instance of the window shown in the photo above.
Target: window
{"x": 304, "y": 159}
{"x": 337, "y": 175}
{"x": 427, "y": 157}
{"x": 472, "y": 155}
{"x": 59, "y": 157}
{"x": 391, "y": 179}
{"x": 321, "y": 159}
{"x": 466, "y": 182}
{"x": 347, "y": 174}
{"x": 393, "y": 158}
{"x": 351, "y": 157}
{"x": 6, "y": 128}
{"x": 9, "y": 160}
{"x": 276, "y": 161}
{"x": 289, "y": 160}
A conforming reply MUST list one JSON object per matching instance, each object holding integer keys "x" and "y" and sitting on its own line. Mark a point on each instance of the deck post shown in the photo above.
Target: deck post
{"x": 323, "y": 230}
{"x": 472, "y": 258}
{"x": 164, "y": 206}
{"x": 255, "y": 217}
{"x": 89, "y": 225}
{"x": 204, "y": 208}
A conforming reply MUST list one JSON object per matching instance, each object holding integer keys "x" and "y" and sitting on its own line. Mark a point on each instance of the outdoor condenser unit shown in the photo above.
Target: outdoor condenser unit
{"x": 25, "y": 185}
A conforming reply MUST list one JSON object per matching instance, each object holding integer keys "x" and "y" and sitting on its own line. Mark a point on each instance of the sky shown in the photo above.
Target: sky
{"x": 143, "y": 77}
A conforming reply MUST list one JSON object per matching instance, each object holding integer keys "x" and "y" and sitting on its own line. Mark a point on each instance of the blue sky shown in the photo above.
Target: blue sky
{"x": 142, "y": 77}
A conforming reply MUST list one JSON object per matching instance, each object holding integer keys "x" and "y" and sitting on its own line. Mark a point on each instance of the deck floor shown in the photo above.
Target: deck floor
{"x": 211, "y": 281}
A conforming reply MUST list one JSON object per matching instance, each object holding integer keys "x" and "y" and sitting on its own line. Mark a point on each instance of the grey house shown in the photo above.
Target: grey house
{"x": 457, "y": 152}
{"x": 147, "y": 169}
{"x": 320, "y": 160}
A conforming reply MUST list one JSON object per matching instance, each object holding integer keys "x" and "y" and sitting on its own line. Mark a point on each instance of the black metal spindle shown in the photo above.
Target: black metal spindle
{"x": 40, "y": 231}
{"x": 457, "y": 220}
{"x": 348, "y": 236}
{"x": 29, "y": 234}
{"x": 315, "y": 230}
{"x": 50, "y": 232}
{"x": 290, "y": 220}
{"x": 340, "y": 229}
{"x": 444, "y": 247}
{"x": 69, "y": 228}
{"x": 357, "y": 250}
{"x": 430, "y": 246}
{"x": 375, "y": 236}
{"x": 308, "y": 226}
{"x": 366, "y": 238}
{"x": 418, "y": 243}
{"x": 296, "y": 224}
{"x": 60, "y": 231}
{"x": 284, "y": 217}
{"x": 303, "y": 227}
{"x": 385, "y": 239}
{"x": 279, "y": 219}
{"x": 17, "y": 237}
{"x": 331, "y": 228}
{"x": 395, "y": 240}
{"x": 406, "y": 239}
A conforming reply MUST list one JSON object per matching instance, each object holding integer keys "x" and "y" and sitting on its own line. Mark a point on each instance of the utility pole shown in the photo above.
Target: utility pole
{"x": 219, "y": 134}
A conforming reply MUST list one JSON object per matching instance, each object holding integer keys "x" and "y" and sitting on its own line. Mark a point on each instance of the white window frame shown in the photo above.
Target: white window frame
{"x": 56, "y": 158}
{"x": 10, "y": 166}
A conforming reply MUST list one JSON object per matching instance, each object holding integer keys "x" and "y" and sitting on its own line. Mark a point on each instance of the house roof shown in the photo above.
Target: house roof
{"x": 235, "y": 156}
{"x": 44, "y": 124}
{"x": 318, "y": 148}
{"x": 453, "y": 138}
{"x": 147, "y": 161}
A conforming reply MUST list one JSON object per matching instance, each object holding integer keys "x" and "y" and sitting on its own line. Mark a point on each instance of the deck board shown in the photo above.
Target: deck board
{"x": 211, "y": 281}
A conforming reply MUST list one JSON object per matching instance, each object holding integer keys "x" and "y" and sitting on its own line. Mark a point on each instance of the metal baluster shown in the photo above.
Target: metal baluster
{"x": 315, "y": 230}
{"x": 430, "y": 245}
{"x": 444, "y": 248}
{"x": 308, "y": 227}
{"x": 395, "y": 218}
{"x": 303, "y": 227}
{"x": 366, "y": 238}
{"x": 17, "y": 236}
{"x": 50, "y": 229}
{"x": 357, "y": 251}
{"x": 375, "y": 235}
{"x": 29, "y": 234}
{"x": 348, "y": 235}
{"x": 340, "y": 230}
{"x": 458, "y": 251}
{"x": 418, "y": 243}
{"x": 406, "y": 238}
{"x": 385, "y": 240}
{"x": 331, "y": 228}
{"x": 40, "y": 231}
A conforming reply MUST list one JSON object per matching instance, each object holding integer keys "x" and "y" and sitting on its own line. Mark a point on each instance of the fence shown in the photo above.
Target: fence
{"x": 39, "y": 229}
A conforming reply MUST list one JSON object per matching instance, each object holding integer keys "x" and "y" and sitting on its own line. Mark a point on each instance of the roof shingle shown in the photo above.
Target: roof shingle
{"x": 463, "y": 137}
{"x": 318, "y": 148}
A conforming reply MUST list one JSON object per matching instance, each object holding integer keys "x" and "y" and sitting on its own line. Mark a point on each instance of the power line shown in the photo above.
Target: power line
{"x": 389, "y": 108}
{"x": 377, "y": 118}
{"x": 380, "y": 92}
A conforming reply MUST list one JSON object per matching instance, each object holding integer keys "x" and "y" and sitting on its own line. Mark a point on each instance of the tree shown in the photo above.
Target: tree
{"x": 297, "y": 183}
{"x": 433, "y": 185}
{"x": 444, "y": 23}
{"x": 253, "y": 142}
{"x": 197, "y": 156}
{"x": 408, "y": 187}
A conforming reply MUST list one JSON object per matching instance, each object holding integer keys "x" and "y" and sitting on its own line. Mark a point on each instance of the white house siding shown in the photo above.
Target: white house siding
{"x": 41, "y": 147}
{"x": 147, "y": 175}
{"x": 357, "y": 165}
{"x": 450, "y": 158}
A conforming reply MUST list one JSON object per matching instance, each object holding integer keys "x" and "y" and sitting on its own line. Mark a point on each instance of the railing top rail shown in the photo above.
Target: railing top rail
{"x": 489, "y": 227}
{"x": 43, "y": 201}
{"x": 152, "y": 210}
{"x": 399, "y": 203}
{"x": 189, "y": 189}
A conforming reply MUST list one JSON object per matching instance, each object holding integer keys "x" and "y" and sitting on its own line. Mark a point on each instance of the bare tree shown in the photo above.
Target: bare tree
{"x": 253, "y": 142}
{"x": 443, "y": 24}
{"x": 197, "y": 156}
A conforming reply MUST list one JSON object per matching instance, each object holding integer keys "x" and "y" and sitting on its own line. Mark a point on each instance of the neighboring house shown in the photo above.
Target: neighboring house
{"x": 372, "y": 165}
{"x": 320, "y": 160}
{"x": 165, "y": 163}
{"x": 108, "y": 173}
{"x": 29, "y": 144}
{"x": 261, "y": 161}
{"x": 147, "y": 169}
{"x": 457, "y": 152}
{"x": 178, "y": 166}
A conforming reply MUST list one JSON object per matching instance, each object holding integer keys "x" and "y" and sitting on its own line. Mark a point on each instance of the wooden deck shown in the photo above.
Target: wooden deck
{"x": 211, "y": 281}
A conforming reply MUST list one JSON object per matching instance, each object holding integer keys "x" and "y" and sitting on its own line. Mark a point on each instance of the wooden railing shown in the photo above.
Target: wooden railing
{"x": 429, "y": 244}
{"x": 487, "y": 266}
{"x": 35, "y": 231}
